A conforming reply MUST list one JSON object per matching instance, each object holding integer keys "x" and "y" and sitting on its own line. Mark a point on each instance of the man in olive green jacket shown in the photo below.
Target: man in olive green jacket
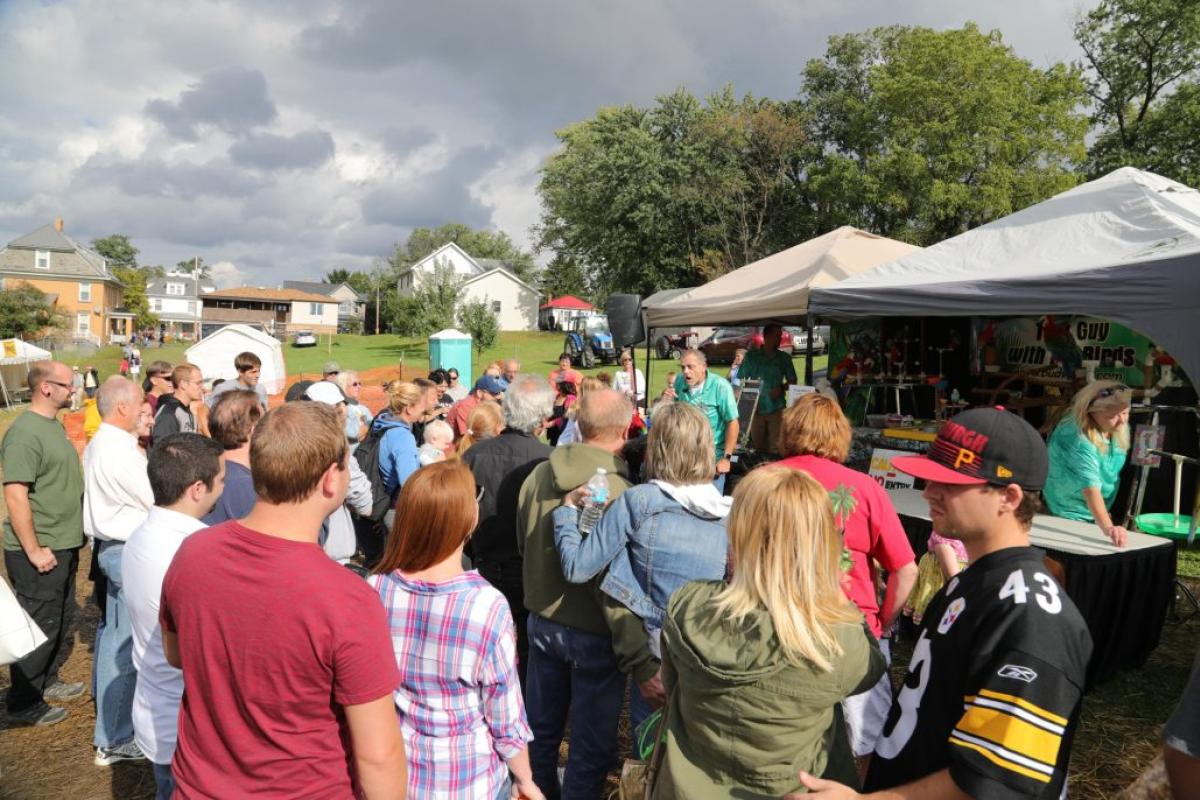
{"x": 579, "y": 640}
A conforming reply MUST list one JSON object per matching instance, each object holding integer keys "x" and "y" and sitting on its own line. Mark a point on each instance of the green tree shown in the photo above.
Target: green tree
{"x": 476, "y": 318}
{"x": 563, "y": 275}
{"x": 1141, "y": 59}
{"x": 134, "y": 299}
{"x": 920, "y": 134}
{"x": 357, "y": 280}
{"x": 117, "y": 250}
{"x": 674, "y": 194}
{"x": 190, "y": 265}
{"x": 476, "y": 243}
{"x": 430, "y": 308}
{"x": 25, "y": 312}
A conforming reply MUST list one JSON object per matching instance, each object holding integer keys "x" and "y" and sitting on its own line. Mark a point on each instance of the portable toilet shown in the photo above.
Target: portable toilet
{"x": 451, "y": 348}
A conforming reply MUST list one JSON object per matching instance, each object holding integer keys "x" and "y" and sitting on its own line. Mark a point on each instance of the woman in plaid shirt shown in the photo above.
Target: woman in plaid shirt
{"x": 459, "y": 699}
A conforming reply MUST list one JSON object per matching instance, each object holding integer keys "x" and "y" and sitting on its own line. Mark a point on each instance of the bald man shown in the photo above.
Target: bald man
{"x": 43, "y": 491}
{"x": 116, "y": 500}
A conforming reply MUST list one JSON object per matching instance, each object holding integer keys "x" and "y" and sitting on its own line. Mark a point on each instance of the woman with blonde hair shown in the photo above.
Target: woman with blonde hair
{"x": 485, "y": 422}
{"x": 398, "y": 451}
{"x": 459, "y": 701}
{"x": 655, "y": 537}
{"x": 1087, "y": 451}
{"x": 755, "y": 667}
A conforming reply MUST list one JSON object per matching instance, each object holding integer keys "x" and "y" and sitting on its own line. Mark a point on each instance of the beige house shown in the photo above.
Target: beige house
{"x": 76, "y": 281}
{"x": 279, "y": 312}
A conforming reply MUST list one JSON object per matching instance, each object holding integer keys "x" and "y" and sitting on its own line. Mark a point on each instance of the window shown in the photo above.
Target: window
{"x": 83, "y": 323}
{"x": 85, "y": 293}
{"x": 315, "y": 309}
{"x": 192, "y": 307}
{"x": 156, "y": 304}
{"x": 495, "y": 306}
{"x": 176, "y": 289}
{"x": 42, "y": 259}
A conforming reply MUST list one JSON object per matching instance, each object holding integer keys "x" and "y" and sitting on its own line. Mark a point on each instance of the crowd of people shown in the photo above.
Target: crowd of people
{"x": 319, "y": 601}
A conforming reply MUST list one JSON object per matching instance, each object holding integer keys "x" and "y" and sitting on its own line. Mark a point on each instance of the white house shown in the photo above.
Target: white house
{"x": 175, "y": 300}
{"x": 512, "y": 300}
{"x": 351, "y": 305}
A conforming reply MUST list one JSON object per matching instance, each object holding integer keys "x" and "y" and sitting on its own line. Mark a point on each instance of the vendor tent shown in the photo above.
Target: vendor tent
{"x": 214, "y": 355}
{"x": 775, "y": 287}
{"x": 1125, "y": 247}
{"x": 15, "y": 358}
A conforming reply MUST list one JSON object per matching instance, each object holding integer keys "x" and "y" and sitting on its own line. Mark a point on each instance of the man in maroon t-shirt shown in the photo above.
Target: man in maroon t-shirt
{"x": 286, "y": 655}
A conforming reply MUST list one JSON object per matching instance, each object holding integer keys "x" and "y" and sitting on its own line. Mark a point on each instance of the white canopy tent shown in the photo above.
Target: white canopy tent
{"x": 776, "y": 287}
{"x": 214, "y": 355}
{"x": 1125, "y": 247}
{"x": 15, "y": 358}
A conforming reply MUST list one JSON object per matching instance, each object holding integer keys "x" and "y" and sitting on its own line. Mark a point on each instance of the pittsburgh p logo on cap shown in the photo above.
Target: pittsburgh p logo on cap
{"x": 982, "y": 445}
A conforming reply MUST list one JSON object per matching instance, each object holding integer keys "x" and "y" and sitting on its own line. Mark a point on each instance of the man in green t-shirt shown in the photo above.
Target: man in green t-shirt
{"x": 713, "y": 395}
{"x": 774, "y": 368}
{"x": 43, "y": 490}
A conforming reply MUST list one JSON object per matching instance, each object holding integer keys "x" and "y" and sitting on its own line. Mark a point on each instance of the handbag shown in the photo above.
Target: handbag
{"x": 19, "y": 634}
{"x": 637, "y": 774}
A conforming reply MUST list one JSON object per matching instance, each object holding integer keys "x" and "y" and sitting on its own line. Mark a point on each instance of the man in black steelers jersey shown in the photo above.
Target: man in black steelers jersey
{"x": 991, "y": 698}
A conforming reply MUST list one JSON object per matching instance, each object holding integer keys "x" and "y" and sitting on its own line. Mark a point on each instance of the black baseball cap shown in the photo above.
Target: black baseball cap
{"x": 983, "y": 445}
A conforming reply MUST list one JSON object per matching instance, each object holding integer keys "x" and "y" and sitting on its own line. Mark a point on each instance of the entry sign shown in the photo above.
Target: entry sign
{"x": 885, "y": 474}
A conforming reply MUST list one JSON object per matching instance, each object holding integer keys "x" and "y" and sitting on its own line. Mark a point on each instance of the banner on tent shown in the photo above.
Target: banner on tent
{"x": 1069, "y": 342}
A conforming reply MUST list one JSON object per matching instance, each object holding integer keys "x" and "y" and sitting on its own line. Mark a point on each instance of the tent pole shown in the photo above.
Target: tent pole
{"x": 649, "y": 339}
{"x": 808, "y": 354}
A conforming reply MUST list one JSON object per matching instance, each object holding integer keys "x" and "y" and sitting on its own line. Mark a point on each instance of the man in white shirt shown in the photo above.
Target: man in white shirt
{"x": 188, "y": 477}
{"x": 116, "y": 499}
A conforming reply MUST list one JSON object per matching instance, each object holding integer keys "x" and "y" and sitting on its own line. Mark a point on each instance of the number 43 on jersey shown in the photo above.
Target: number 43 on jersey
{"x": 1046, "y": 596}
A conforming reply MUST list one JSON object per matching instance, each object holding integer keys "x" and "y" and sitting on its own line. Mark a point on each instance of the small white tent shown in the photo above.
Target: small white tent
{"x": 775, "y": 287}
{"x": 1125, "y": 247}
{"x": 214, "y": 355}
{"x": 15, "y": 358}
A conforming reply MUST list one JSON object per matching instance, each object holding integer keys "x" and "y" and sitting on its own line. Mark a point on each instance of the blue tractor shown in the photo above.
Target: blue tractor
{"x": 589, "y": 340}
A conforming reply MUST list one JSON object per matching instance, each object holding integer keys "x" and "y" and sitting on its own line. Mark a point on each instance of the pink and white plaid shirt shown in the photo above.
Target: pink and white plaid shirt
{"x": 459, "y": 700}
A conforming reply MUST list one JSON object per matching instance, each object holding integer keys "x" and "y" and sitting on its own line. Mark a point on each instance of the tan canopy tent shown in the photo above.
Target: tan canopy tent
{"x": 776, "y": 287}
{"x": 15, "y": 358}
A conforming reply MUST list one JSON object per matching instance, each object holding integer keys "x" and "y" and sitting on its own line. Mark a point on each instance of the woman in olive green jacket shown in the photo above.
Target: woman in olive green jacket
{"x": 755, "y": 668}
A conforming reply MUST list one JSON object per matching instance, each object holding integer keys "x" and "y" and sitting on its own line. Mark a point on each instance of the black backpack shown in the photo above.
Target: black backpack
{"x": 367, "y": 456}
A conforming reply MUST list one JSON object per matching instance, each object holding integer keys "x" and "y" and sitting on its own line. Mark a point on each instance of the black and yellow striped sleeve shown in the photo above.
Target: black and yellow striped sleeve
{"x": 1014, "y": 736}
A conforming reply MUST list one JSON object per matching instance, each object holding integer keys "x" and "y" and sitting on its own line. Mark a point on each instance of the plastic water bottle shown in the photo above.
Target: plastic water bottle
{"x": 598, "y": 485}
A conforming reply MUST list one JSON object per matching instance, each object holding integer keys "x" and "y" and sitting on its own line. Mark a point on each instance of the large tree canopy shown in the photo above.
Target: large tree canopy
{"x": 909, "y": 132}
{"x": 1141, "y": 58}
{"x": 121, "y": 255}
{"x": 671, "y": 195}
{"x": 26, "y": 312}
{"x": 920, "y": 134}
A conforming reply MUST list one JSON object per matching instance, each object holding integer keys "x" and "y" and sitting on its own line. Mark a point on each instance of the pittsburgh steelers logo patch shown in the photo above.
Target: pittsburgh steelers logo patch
{"x": 952, "y": 613}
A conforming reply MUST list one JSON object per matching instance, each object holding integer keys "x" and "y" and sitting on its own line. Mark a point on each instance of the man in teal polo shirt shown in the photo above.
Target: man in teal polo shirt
{"x": 713, "y": 395}
{"x": 774, "y": 368}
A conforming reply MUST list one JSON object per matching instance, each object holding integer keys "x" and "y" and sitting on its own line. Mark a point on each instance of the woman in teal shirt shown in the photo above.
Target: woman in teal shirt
{"x": 1087, "y": 451}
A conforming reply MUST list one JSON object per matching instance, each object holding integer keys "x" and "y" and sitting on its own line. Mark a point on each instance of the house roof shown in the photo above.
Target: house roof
{"x": 569, "y": 301}
{"x": 264, "y": 293}
{"x": 327, "y": 289}
{"x": 156, "y": 287}
{"x": 503, "y": 272}
{"x": 49, "y": 237}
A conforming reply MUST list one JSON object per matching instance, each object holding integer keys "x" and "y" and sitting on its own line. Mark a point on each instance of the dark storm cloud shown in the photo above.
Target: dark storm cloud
{"x": 233, "y": 99}
{"x": 267, "y": 151}
{"x": 153, "y": 177}
{"x": 433, "y": 199}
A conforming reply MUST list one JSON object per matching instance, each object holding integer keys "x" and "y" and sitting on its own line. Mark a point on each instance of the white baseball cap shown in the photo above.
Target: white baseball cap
{"x": 325, "y": 392}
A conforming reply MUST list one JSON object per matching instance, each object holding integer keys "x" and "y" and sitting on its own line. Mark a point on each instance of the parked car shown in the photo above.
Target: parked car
{"x": 304, "y": 339}
{"x": 720, "y": 347}
{"x": 800, "y": 339}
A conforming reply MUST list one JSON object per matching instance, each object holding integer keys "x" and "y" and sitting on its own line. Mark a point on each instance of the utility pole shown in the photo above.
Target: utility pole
{"x": 378, "y": 280}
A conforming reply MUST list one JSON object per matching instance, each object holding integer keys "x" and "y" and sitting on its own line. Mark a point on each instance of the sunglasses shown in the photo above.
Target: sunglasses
{"x": 1108, "y": 392}
{"x": 479, "y": 495}
{"x": 356, "y": 383}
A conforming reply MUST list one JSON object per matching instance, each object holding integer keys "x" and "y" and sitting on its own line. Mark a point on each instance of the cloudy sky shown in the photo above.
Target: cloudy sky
{"x": 281, "y": 139}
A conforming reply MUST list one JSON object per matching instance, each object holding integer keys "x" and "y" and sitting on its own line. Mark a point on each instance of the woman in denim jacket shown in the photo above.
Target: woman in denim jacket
{"x": 656, "y": 537}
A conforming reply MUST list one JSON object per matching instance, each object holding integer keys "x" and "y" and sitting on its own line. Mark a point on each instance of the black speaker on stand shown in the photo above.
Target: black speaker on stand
{"x": 625, "y": 319}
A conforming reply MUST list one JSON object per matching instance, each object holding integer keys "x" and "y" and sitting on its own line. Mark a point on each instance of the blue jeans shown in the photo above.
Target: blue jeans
{"x": 573, "y": 671}
{"x": 115, "y": 675}
{"x": 163, "y": 781}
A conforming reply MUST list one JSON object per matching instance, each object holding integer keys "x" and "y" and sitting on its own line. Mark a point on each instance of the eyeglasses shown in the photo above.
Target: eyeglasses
{"x": 356, "y": 383}
{"x": 59, "y": 384}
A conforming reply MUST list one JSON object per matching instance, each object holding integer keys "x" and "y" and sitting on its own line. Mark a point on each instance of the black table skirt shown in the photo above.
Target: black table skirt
{"x": 1123, "y": 597}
